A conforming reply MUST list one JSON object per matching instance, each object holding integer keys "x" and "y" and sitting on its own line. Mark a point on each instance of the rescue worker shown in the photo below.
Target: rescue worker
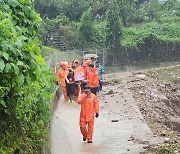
{"x": 61, "y": 77}
{"x": 89, "y": 110}
{"x": 85, "y": 67}
{"x": 100, "y": 69}
{"x": 93, "y": 78}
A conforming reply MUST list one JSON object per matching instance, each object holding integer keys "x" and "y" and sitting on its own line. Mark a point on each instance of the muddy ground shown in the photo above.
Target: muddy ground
{"x": 157, "y": 94}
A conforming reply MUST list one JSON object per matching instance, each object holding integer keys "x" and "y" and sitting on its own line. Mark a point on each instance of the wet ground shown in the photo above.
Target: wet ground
{"x": 120, "y": 128}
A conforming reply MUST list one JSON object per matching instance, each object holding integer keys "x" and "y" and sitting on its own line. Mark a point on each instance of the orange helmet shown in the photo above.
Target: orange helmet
{"x": 61, "y": 63}
{"x": 66, "y": 65}
{"x": 76, "y": 61}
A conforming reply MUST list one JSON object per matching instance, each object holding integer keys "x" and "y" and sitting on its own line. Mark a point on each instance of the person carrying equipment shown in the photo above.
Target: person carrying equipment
{"x": 89, "y": 110}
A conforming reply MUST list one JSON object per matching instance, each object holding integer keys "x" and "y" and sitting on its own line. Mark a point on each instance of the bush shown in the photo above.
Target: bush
{"x": 151, "y": 42}
{"x": 26, "y": 83}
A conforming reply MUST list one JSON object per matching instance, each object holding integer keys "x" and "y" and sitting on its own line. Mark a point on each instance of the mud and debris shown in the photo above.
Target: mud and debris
{"x": 158, "y": 100}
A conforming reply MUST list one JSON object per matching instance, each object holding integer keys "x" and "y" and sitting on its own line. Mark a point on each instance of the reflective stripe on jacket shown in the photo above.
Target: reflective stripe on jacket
{"x": 89, "y": 106}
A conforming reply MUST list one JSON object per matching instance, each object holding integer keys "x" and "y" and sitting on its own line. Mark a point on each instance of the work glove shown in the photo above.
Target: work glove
{"x": 97, "y": 115}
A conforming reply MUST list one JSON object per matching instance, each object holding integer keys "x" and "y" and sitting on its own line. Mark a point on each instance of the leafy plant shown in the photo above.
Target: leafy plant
{"x": 165, "y": 149}
{"x": 26, "y": 83}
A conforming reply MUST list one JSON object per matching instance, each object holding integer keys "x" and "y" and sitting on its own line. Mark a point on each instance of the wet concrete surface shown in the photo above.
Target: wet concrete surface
{"x": 109, "y": 137}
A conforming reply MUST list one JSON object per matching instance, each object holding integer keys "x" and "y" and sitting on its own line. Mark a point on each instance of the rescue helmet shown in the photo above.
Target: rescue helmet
{"x": 86, "y": 88}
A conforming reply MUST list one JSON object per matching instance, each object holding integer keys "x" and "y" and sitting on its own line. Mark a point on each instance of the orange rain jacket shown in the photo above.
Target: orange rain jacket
{"x": 89, "y": 106}
{"x": 93, "y": 78}
{"x": 62, "y": 74}
{"x": 85, "y": 67}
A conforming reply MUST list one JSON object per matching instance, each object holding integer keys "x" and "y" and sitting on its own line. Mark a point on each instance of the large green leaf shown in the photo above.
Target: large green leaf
{"x": 24, "y": 1}
{"x": 4, "y": 46}
{"x": 13, "y": 3}
{"x": 32, "y": 14}
{"x": 8, "y": 22}
{"x": 3, "y": 103}
{"x": 19, "y": 44}
{"x": 5, "y": 6}
{"x": 16, "y": 69}
{"x": 7, "y": 68}
{"x": 7, "y": 33}
{"x": 20, "y": 63}
{"x": 5, "y": 55}
{"x": 21, "y": 79}
{"x": 2, "y": 65}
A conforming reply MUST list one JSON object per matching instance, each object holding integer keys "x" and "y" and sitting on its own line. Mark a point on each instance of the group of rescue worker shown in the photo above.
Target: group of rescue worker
{"x": 82, "y": 81}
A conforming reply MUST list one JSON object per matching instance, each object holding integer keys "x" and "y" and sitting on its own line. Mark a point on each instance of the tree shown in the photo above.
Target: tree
{"x": 86, "y": 28}
{"x": 50, "y": 26}
{"x": 113, "y": 34}
{"x": 48, "y": 8}
{"x": 72, "y": 9}
{"x": 151, "y": 9}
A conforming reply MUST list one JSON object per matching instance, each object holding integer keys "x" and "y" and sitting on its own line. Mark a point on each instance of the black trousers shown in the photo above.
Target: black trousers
{"x": 70, "y": 89}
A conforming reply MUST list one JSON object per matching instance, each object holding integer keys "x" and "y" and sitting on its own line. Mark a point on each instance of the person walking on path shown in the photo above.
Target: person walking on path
{"x": 85, "y": 67}
{"x": 70, "y": 84}
{"x": 100, "y": 69}
{"x": 93, "y": 78}
{"x": 61, "y": 77}
{"x": 78, "y": 76}
{"x": 89, "y": 110}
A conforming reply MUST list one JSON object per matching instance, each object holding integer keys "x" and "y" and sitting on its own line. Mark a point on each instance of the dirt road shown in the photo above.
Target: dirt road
{"x": 129, "y": 134}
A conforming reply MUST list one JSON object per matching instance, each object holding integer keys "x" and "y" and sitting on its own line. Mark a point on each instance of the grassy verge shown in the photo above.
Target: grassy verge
{"x": 54, "y": 56}
{"x": 45, "y": 51}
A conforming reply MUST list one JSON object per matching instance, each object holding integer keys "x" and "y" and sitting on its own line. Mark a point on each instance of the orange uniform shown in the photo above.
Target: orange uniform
{"x": 93, "y": 78}
{"x": 89, "y": 106}
{"x": 62, "y": 74}
{"x": 85, "y": 67}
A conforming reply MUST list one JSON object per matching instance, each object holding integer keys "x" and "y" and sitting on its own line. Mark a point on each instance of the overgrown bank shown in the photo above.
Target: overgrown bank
{"x": 26, "y": 83}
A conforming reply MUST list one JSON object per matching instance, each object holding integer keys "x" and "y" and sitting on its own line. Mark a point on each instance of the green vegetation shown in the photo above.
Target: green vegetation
{"x": 164, "y": 149}
{"x": 130, "y": 31}
{"x": 48, "y": 50}
{"x": 151, "y": 42}
{"x": 26, "y": 83}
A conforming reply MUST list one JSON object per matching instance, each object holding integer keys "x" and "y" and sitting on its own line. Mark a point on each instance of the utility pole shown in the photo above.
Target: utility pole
{"x": 103, "y": 63}
{"x": 83, "y": 52}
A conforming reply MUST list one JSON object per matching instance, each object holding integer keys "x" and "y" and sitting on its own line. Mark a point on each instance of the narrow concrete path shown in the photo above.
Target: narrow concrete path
{"x": 109, "y": 137}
